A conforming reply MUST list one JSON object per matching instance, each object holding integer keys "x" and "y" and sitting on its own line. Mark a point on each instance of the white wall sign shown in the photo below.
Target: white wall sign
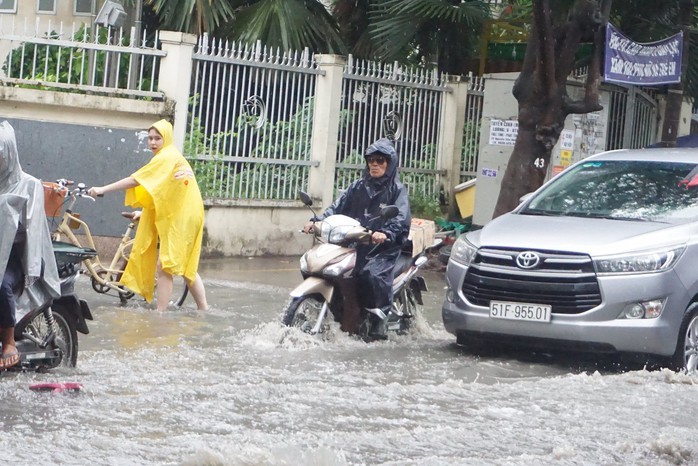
{"x": 567, "y": 140}
{"x": 503, "y": 132}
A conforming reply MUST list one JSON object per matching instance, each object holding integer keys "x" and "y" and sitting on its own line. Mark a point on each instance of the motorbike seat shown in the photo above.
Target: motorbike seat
{"x": 404, "y": 261}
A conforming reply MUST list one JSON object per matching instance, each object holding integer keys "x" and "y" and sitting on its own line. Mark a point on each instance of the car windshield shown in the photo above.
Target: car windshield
{"x": 620, "y": 189}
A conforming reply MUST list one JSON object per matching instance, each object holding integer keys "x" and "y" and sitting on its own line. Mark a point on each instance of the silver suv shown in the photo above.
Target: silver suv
{"x": 602, "y": 258}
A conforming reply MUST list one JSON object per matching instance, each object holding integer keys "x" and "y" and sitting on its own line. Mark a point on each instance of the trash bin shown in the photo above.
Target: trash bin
{"x": 465, "y": 197}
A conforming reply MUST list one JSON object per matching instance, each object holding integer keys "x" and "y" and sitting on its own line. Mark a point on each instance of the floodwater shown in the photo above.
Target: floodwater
{"x": 232, "y": 387}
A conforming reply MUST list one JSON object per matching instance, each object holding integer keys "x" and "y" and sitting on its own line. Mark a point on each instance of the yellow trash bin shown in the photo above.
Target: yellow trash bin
{"x": 465, "y": 197}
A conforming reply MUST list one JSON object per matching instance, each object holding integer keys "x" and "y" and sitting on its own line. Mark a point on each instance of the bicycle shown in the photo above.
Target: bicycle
{"x": 103, "y": 278}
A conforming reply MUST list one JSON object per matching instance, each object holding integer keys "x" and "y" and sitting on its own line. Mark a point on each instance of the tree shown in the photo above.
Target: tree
{"x": 194, "y": 16}
{"x": 287, "y": 24}
{"x": 675, "y": 96}
{"x": 541, "y": 88}
{"x": 352, "y": 17}
{"x": 443, "y": 32}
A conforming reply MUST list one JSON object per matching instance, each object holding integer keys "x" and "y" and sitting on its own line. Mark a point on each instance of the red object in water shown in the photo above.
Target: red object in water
{"x": 56, "y": 387}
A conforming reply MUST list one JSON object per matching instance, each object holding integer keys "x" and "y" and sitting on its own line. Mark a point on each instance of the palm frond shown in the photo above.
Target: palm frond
{"x": 195, "y": 16}
{"x": 288, "y": 24}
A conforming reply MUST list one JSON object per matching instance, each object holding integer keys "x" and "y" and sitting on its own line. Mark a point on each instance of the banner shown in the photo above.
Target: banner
{"x": 654, "y": 63}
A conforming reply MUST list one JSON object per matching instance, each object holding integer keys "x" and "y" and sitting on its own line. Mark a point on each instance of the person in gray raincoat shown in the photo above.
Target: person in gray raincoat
{"x": 26, "y": 254}
{"x": 363, "y": 200}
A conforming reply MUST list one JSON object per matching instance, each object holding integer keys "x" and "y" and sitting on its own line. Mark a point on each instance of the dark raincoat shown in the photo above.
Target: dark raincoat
{"x": 363, "y": 201}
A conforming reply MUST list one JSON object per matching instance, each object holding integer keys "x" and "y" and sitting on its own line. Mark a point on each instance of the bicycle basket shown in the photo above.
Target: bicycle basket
{"x": 53, "y": 198}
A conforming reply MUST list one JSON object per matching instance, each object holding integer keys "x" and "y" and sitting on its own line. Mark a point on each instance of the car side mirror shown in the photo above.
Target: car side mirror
{"x": 525, "y": 197}
{"x": 305, "y": 198}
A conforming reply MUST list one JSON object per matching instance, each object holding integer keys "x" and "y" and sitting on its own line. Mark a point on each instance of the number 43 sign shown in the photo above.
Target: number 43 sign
{"x": 539, "y": 162}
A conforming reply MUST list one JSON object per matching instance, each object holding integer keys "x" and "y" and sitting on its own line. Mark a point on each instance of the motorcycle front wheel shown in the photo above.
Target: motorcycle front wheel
{"x": 303, "y": 313}
{"x": 406, "y": 304}
{"x": 66, "y": 338}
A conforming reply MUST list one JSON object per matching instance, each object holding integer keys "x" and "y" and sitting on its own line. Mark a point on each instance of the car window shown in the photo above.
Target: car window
{"x": 634, "y": 190}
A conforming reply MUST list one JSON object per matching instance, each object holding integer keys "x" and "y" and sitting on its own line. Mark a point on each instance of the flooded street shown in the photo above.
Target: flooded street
{"x": 232, "y": 387}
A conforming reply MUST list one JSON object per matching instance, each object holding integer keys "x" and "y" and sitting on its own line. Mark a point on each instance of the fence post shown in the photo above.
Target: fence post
{"x": 453, "y": 108}
{"x": 174, "y": 79}
{"x": 328, "y": 99}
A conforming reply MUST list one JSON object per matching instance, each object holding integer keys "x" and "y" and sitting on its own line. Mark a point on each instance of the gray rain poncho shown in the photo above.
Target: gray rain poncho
{"x": 22, "y": 200}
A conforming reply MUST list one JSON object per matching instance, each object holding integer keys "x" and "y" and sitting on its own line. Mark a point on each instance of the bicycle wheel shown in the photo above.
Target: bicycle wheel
{"x": 180, "y": 291}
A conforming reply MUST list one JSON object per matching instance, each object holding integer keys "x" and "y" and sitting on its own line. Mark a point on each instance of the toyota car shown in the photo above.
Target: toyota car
{"x": 602, "y": 258}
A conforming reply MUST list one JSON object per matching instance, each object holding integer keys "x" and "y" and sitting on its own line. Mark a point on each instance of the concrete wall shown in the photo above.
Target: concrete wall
{"x": 498, "y": 104}
{"x": 256, "y": 230}
{"x": 27, "y": 12}
{"x": 93, "y": 155}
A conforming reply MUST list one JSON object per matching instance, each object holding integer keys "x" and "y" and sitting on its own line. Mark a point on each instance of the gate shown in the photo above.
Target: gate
{"x": 387, "y": 100}
{"x": 250, "y": 120}
{"x": 633, "y": 118}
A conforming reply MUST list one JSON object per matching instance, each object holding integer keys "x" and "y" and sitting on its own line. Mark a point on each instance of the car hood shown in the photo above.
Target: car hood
{"x": 583, "y": 235}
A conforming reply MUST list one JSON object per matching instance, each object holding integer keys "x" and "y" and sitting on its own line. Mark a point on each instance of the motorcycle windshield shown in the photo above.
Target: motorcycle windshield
{"x": 336, "y": 227}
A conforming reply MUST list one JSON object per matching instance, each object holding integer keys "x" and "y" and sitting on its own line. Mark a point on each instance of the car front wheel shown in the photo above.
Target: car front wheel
{"x": 686, "y": 355}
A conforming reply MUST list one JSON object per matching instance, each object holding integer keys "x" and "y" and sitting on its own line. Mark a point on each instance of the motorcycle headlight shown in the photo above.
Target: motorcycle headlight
{"x": 463, "y": 251}
{"x": 340, "y": 267}
{"x": 645, "y": 262}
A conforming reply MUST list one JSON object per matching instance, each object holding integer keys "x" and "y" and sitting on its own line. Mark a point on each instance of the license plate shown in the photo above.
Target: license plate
{"x": 520, "y": 311}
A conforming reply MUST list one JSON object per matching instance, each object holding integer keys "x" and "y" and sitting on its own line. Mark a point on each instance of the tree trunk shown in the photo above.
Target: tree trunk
{"x": 674, "y": 100}
{"x": 541, "y": 90}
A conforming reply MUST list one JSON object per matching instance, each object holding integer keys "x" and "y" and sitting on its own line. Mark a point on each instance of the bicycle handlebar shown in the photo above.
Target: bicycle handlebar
{"x": 62, "y": 182}
{"x": 79, "y": 191}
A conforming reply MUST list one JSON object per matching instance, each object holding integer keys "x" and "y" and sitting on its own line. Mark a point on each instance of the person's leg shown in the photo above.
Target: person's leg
{"x": 10, "y": 281}
{"x": 198, "y": 292}
{"x": 376, "y": 284}
{"x": 164, "y": 290}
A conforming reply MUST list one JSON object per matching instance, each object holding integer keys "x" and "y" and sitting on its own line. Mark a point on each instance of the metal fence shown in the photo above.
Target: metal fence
{"x": 79, "y": 58}
{"x": 471, "y": 131}
{"x": 388, "y": 100}
{"x": 251, "y": 117}
{"x": 633, "y": 118}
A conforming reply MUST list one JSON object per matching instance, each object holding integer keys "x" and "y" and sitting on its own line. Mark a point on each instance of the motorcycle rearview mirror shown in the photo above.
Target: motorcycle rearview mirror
{"x": 306, "y": 199}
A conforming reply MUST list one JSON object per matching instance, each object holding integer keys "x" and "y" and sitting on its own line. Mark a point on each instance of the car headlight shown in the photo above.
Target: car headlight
{"x": 648, "y": 262}
{"x": 463, "y": 251}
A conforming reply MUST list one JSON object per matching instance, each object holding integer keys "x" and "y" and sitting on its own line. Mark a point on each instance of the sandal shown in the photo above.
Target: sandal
{"x": 10, "y": 359}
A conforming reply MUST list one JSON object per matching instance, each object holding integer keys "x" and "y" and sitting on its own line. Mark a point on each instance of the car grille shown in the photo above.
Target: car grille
{"x": 567, "y": 282}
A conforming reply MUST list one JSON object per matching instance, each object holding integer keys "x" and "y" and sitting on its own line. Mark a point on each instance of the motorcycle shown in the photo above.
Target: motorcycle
{"x": 47, "y": 337}
{"x": 328, "y": 287}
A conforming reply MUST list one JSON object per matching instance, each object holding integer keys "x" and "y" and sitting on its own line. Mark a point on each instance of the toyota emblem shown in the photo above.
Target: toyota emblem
{"x": 527, "y": 260}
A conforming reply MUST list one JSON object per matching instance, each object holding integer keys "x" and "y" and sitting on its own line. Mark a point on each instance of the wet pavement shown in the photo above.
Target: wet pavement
{"x": 233, "y": 387}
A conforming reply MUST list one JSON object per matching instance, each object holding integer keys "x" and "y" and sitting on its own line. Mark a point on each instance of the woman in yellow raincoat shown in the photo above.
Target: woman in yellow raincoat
{"x": 172, "y": 214}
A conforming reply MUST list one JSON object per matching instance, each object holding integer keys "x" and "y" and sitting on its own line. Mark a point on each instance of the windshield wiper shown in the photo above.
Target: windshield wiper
{"x": 546, "y": 213}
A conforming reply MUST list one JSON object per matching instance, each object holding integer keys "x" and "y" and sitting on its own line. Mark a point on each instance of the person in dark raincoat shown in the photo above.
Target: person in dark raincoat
{"x": 363, "y": 200}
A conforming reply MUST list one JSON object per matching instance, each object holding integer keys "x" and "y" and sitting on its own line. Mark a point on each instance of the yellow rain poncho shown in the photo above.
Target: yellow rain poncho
{"x": 173, "y": 213}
